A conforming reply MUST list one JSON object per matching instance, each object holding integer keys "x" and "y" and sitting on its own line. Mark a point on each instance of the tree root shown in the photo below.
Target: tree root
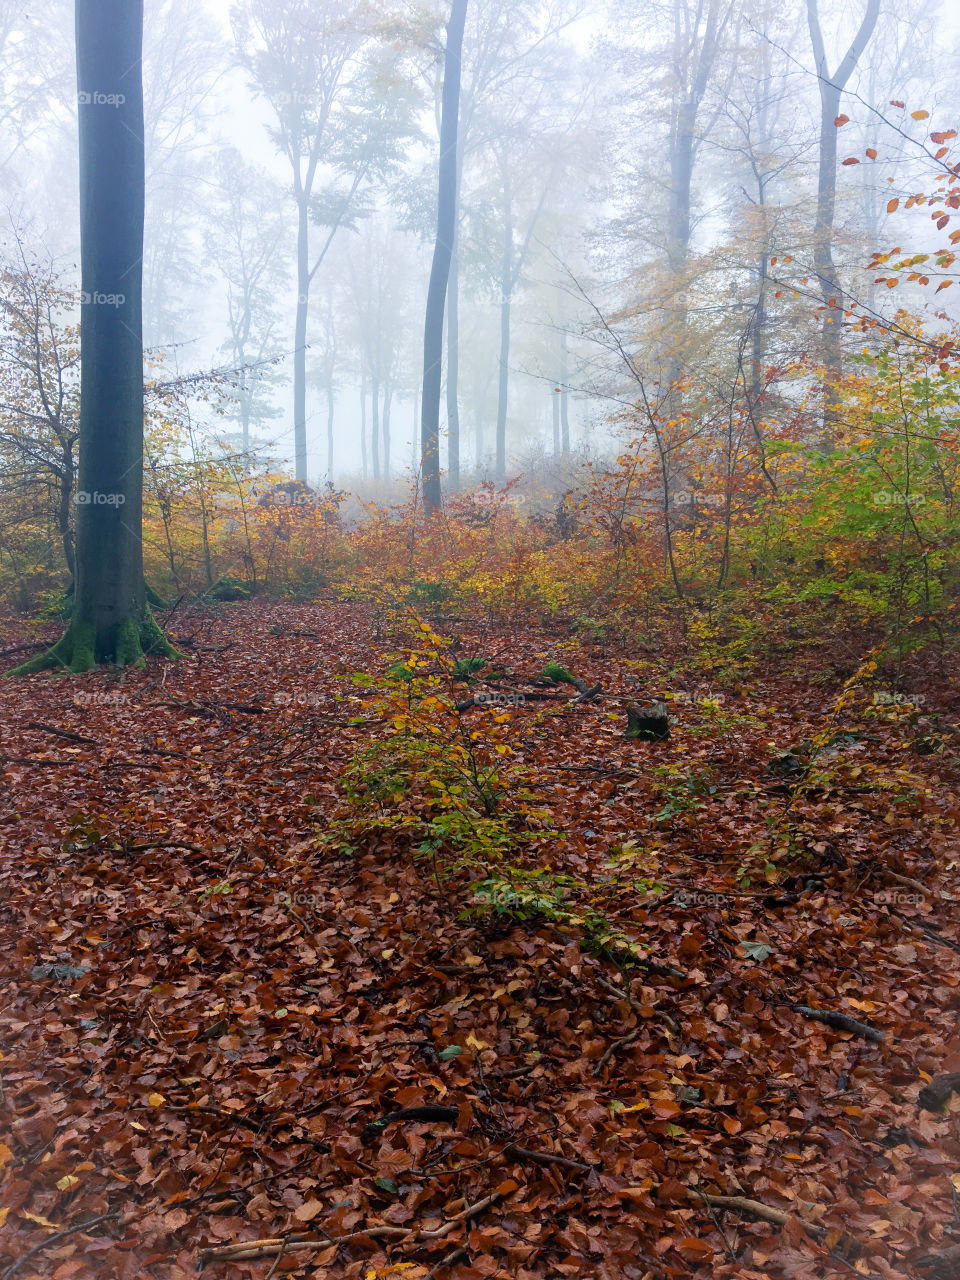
{"x": 80, "y": 649}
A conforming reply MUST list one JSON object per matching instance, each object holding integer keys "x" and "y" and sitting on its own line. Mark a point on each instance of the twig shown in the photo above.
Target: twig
{"x": 545, "y": 1157}
{"x": 754, "y": 1208}
{"x": 448, "y": 1261}
{"x": 249, "y": 1249}
{"x": 59, "y": 1235}
{"x": 66, "y": 734}
{"x": 24, "y": 648}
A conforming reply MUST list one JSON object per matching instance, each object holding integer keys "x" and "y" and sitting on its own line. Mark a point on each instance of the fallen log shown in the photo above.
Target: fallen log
{"x": 935, "y": 1095}
{"x": 840, "y": 1022}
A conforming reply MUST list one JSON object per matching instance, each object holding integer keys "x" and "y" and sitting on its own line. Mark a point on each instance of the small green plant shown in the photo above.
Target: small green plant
{"x": 521, "y": 895}
{"x": 467, "y": 668}
{"x": 215, "y": 890}
{"x": 682, "y": 793}
{"x": 558, "y": 674}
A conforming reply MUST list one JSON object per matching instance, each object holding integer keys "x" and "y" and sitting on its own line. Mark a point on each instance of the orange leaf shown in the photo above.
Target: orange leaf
{"x": 894, "y": 103}
{"x": 944, "y": 284}
{"x": 892, "y": 204}
{"x": 840, "y": 121}
{"x": 851, "y": 160}
{"x": 919, "y": 115}
{"x": 872, "y": 153}
{"x": 693, "y": 1247}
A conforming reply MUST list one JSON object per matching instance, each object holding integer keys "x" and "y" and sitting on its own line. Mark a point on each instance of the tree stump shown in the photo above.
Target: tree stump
{"x": 649, "y": 723}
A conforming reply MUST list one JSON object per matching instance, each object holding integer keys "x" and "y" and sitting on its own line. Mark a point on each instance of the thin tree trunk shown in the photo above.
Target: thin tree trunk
{"x": 387, "y": 405}
{"x": 564, "y": 393}
{"x": 375, "y": 426}
{"x": 453, "y": 370}
{"x": 831, "y": 90}
{"x": 443, "y": 253}
{"x": 556, "y": 422}
{"x": 506, "y": 275}
{"x": 300, "y": 341}
{"x": 331, "y": 406}
{"x": 363, "y": 424}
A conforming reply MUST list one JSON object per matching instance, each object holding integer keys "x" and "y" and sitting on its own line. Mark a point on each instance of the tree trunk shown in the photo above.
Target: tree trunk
{"x": 111, "y": 617}
{"x": 375, "y": 426}
{"x": 387, "y": 406}
{"x": 300, "y": 341}
{"x": 556, "y": 422}
{"x": 453, "y": 372}
{"x": 564, "y": 393}
{"x": 442, "y": 257}
{"x": 331, "y": 405}
{"x": 506, "y": 275}
{"x": 831, "y": 89}
{"x": 363, "y": 424}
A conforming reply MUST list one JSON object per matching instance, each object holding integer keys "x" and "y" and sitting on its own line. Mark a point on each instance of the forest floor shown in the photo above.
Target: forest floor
{"x": 204, "y": 1009}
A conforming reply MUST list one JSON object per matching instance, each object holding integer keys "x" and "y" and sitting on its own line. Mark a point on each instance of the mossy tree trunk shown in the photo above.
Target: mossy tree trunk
{"x": 111, "y": 619}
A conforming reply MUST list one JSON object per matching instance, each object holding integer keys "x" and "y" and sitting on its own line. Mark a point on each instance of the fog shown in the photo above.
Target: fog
{"x": 571, "y": 136}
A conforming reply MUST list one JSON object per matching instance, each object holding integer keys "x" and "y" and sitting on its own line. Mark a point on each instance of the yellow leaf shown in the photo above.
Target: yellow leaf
{"x": 3, "y": 1216}
{"x": 6, "y": 1155}
{"x": 39, "y": 1220}
{"x": 474, "y": 1043}
{"x": 156, "y": 1100}
{"x": 66, "y": 1182}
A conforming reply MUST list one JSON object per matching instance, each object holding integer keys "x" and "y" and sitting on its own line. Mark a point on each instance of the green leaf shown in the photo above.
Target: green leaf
{"x": 450, "y": 1052}
{"x": 388, "y": 1185}
{"x": 757, "y": 950}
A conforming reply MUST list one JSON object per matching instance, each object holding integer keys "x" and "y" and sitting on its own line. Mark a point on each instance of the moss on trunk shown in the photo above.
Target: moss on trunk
{"x": 128, "y": 644}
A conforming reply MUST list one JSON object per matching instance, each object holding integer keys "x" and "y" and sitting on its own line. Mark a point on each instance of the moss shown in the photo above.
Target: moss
{"x": 77, "y": 650}
{"x": 155, "y": 598}
{"x": 83, "y": 638}
{"x": 58, "y": 656}
{"x": 127, "y": 649}
{"x": 153, "y": 640}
